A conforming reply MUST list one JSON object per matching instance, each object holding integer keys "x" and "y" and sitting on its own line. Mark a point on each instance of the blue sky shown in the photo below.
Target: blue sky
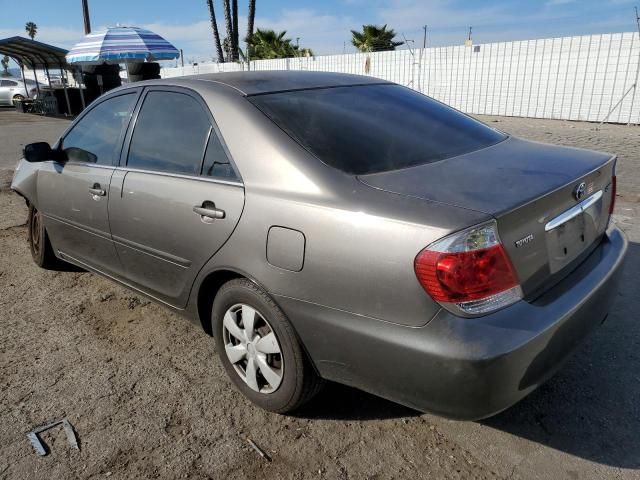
{"x": 324, "y": 25}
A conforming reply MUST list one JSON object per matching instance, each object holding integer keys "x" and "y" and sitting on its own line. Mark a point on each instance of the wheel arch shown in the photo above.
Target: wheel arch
{"x": 208, "y": 290}
{"x": 25, "y": 181}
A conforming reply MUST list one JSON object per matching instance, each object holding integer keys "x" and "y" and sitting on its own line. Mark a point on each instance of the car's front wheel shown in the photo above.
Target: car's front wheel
{"x": 41, "y": 250}
{"x": 259, "y": 349}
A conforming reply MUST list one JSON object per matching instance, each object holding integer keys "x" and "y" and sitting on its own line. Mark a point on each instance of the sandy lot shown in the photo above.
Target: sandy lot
{"x": 148, "y": 398}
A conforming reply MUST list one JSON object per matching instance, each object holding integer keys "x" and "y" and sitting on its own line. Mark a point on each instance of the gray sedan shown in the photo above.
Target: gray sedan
{"x": 336, "y": 227}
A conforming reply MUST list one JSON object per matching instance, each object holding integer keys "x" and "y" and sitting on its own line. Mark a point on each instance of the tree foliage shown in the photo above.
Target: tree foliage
{"x": 267, "y": 44}
{"x": 5, "y": 65}
{"x": 373, "y": 38}
{"x": 31, "y": 29}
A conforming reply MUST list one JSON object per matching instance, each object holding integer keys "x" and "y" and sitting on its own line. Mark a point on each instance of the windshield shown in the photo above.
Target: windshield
{"x": 374, "y": 128}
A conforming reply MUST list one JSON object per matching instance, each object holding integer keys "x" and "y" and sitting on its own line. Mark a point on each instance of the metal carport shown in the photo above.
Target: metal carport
{"x": 34, "y": 55}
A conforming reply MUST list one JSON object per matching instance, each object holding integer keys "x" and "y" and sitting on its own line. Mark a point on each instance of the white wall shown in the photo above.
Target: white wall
{"x": 573, "y": 78}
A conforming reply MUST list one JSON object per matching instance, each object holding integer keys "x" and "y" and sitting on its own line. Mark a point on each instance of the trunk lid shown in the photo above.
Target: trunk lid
{"x": 529, "y": 188}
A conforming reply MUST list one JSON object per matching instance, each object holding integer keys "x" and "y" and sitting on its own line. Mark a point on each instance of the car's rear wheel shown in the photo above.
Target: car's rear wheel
{"x": 259, "y": 349}
{"x": 17, "y": 98}
{"x": 41, "y": 250}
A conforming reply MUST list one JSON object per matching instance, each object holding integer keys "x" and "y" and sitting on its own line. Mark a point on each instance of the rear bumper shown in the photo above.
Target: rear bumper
{"x": 464, "y": 368}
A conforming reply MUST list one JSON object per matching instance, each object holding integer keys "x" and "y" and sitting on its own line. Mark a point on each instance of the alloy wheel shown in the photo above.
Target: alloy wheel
{"x": 252, "y": 348}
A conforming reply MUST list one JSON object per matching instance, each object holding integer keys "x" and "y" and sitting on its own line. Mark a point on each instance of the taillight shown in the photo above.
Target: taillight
{"x": 612, "y": 205}
{"x": 469, "y": 272}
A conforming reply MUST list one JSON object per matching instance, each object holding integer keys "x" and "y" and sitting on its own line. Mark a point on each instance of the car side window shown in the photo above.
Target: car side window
{"x": 96, "y": 137}
{"x": 170, "y": 134}
{"x": 216, "y": 162}
{"x": 8, "y": 83}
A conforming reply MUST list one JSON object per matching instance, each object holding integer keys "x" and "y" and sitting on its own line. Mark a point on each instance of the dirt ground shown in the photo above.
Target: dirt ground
{"x": 149, "y": 399}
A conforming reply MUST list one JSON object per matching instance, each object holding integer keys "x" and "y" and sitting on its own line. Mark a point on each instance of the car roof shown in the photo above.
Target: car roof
{"x": 261, "y": 82}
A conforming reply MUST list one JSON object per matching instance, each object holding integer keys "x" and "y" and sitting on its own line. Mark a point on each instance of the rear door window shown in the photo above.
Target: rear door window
{"x": 216, "y": 162}
{"x": 8, "y": 83}
{"x": 374, "y": 128}
{"x": 170, "y": 134}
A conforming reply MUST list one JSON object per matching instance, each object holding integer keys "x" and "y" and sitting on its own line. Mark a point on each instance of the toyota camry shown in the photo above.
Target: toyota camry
{"x": 336, "y": 227}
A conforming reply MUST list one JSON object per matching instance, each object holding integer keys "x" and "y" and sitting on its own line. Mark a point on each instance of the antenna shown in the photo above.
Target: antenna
{"x": 468, "y": 42}
{"x": 637, "y": 19}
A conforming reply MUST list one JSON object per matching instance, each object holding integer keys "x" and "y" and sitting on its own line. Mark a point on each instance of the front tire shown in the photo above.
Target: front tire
{"x": 41, "y": 250}
{"x": 259, "y": 349}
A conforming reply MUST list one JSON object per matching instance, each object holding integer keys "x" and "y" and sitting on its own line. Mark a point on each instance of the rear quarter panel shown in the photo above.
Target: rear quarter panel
{"x": 360, "y": 243}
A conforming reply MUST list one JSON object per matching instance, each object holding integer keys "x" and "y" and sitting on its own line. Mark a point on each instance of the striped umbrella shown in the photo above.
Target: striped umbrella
{"x": 122, "y": 45}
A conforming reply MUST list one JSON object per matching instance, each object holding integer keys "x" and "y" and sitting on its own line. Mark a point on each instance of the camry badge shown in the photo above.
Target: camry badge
{"x": 580, "y": 190}
{"x": 524, "y": 241}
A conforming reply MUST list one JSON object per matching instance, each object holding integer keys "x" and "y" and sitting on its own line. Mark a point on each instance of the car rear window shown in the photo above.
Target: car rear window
{"x": 374, "y": 128}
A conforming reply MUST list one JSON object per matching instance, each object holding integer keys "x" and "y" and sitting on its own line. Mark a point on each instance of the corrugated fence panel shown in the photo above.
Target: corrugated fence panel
{"x": 589, "y": 77}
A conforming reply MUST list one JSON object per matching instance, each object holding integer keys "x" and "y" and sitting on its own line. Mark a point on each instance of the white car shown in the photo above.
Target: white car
{"x": 12, "y": 89}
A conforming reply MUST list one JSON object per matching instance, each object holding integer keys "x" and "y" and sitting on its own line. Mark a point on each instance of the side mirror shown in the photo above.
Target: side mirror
{"x": 38, "y": 152}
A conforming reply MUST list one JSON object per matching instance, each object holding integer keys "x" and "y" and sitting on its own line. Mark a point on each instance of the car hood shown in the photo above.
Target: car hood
{"x": 495, "y": 179}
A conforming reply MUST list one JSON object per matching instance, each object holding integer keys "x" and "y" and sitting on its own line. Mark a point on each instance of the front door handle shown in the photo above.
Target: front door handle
{"x": 209, "y": 210}
{"x": 97, "y": 191}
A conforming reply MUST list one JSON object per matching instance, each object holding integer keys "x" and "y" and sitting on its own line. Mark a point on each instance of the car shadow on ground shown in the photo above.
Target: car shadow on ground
{"x": 589, "y": 409}
{"x": 63, "y": 266}
{"x": 339, "y": 402}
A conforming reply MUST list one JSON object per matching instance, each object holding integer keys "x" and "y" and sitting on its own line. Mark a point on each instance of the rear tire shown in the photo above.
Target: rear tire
{"x": 41, "y": 250}
{"x": 289, "y": 379}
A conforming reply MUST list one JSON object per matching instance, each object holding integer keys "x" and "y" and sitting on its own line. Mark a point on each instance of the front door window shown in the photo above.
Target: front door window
{"x": 96, "y": 137}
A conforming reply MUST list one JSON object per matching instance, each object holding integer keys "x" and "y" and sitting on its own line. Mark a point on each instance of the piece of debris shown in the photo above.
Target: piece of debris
{"x": 39, "y": 445}
{"x": 259, "y": 451}
{"x": 133, "y": 302}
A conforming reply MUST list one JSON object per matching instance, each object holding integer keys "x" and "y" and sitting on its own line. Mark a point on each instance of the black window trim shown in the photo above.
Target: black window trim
{"x": 100, "y": 100}
{"x": 124, "y": 155}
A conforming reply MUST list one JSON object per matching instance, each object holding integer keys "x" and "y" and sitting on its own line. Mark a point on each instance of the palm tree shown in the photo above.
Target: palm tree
{"x": 374, "y": 39}
{"x": 250, "y": 19}
{"x": 5, "y": 65}
{"x": 234, "y": 38}
{"x": 31, "y": 29}
{"x": 214, "y": 27}
{"x": 228, "y": 21}
{"x": 231, "y": 44}
{"x": 266, "y": 44}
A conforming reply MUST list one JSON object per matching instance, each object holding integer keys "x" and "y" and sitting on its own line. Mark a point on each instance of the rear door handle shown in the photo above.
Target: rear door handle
{"x": 209, "y": 210}
{"x": 97, "y": 191}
